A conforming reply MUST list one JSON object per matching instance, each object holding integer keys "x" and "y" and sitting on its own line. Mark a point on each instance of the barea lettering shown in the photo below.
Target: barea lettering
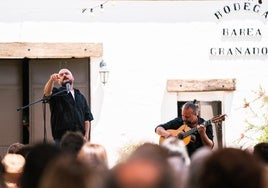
{"x": 241, "y": 32}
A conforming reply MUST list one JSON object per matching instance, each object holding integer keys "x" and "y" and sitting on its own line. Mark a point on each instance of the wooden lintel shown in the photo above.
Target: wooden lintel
{"x": 16, "y": 50}
{"x": 201, "y": 85}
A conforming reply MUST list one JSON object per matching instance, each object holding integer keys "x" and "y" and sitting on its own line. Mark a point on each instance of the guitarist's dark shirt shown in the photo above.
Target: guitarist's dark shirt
{"x": 192, "y": 146}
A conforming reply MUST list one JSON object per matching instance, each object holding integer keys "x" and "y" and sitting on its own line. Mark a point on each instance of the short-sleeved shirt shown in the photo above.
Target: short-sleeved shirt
{"x": 68, "y": 113}
{"x": 192, "y": 146}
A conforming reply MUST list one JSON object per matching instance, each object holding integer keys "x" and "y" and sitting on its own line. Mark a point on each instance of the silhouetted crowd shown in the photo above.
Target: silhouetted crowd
{"x": 79, "y": 164}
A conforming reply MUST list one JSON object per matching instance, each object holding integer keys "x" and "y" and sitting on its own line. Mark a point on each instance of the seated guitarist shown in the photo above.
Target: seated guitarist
{"x": 189, "y": 119}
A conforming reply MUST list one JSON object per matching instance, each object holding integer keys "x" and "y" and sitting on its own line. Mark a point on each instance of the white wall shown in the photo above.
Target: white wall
{"x": 145, "y": 44}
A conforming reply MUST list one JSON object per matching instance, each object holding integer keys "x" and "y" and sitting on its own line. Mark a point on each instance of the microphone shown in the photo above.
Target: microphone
{"x": 68, "y": 87}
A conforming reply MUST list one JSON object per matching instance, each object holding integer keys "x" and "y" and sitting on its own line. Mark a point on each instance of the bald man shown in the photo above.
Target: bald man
{"x": 68, "y": 106}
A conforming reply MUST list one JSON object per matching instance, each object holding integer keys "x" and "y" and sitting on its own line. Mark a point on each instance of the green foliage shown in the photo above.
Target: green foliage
{"x": 264, "y": 136}
{"x": 257, "y": 116}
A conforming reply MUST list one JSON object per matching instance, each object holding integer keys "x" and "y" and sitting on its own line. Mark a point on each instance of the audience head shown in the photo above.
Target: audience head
{"x": 68, "y": 172}
{"x": 72, "y": 142}
{"x": 260, "y": 151}
{"x": 91, "y": 153}
{"x": 15, "y": 147}
{"x": 19, "y": 148}
{"x": 151, "y": 151}
{"x": 232, "y": 168}
{"x": 146, "y": 167}
{"x": 37, "y": 159}
{"x": 94, "y": 157}
{"x": 176, "y": 148}
{"x": 178, "y": 159}
{"x": 2, "y": 172}
{"x": 13, "y": 165}
{"x": 197, "y": 162}
{"x": 265, "y": 177}
{"x": 25, "y": 150}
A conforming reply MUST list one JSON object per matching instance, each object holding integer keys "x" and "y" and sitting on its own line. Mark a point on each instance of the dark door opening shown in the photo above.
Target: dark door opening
{"x": 25, "y": 101}
{"x": 208, "y": 110}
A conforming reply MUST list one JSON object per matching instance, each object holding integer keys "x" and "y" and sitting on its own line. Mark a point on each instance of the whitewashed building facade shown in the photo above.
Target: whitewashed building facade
{"x": 145, "y": 44}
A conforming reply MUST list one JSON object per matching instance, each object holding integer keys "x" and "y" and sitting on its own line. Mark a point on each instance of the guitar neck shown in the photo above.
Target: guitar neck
{"x": 193, "y": 130}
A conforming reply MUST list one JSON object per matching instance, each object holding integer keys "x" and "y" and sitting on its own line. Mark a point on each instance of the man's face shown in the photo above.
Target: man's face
{"x": 189, "y": 117}
{"x": 65, "y": 76}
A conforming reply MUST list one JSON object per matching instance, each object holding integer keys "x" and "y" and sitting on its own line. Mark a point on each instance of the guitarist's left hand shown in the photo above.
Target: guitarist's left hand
{"x": 201, "y": 129}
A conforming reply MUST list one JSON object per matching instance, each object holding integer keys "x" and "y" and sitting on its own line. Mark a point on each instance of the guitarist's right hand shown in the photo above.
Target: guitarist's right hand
{"x": 167, "y": 135}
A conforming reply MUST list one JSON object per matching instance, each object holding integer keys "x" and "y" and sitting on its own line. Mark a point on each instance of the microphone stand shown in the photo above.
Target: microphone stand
{"x": 44, "y": 100}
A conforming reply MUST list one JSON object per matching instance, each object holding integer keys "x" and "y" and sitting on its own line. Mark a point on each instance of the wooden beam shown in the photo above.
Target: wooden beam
{"x": 201, "y": 85}
{"x": 18, "y": 50}
{"x": 162, "y": 0}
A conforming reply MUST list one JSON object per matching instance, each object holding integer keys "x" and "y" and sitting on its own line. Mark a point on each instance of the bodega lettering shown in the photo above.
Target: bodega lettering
{"x": 235, "y": 7}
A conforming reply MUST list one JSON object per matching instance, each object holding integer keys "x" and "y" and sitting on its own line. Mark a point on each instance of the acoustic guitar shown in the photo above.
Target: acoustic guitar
{"x": 184, "y": 132}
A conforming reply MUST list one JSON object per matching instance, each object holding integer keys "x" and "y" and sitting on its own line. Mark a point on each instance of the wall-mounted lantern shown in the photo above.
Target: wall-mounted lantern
{"x": 104, "y": 72}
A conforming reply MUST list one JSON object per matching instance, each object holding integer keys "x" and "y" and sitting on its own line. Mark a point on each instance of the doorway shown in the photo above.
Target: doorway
{"x": 11, "y": 89}
{"x": 21, "y": 84}
{"x": 39, "y": 73}
{"x": 208, "y": 110}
